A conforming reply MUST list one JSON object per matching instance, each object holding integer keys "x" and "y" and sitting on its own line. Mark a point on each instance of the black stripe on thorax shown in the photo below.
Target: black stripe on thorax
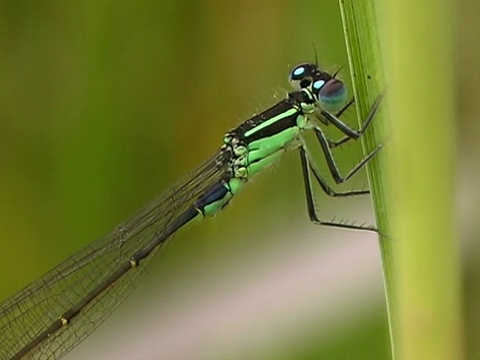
{"x": 293, "y": 102}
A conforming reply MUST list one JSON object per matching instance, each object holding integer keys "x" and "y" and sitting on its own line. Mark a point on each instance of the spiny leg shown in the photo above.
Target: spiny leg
{"x": 335, "y": 143}
{"x": 348, "y": 131}
{"x": 309, "y": 165}
{"x": 332, "y": 166}
{"x": 327, "y": 145}
{"x": 311, "y": 205}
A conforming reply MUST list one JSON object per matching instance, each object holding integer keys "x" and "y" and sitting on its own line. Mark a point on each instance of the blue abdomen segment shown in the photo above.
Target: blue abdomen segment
{"x": 217, "y": 197}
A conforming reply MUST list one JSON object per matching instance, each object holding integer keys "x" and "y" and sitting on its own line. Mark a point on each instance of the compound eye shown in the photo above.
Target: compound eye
{"x": 331, "y": 94}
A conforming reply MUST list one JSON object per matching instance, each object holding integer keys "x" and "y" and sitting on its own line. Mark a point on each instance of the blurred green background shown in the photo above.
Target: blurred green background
{"x": 106, "y": 103}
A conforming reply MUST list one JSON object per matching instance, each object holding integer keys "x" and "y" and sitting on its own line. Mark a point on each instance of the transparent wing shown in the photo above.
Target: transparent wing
{"x": 31, "y": 311}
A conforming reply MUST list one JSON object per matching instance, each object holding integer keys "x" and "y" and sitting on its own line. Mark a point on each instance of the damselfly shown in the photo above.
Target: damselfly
{"x": 52, "y": 315}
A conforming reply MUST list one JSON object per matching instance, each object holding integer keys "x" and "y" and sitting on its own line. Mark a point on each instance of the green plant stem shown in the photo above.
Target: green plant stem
{"x": 363, "y": 48}
{"x": 422, "y": 275}
{"x": 419, "y": 57}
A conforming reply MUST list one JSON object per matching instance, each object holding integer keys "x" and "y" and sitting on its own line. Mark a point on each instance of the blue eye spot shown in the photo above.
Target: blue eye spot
{"x": 299, "y": 71}
{"x": 318, "y": 84}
